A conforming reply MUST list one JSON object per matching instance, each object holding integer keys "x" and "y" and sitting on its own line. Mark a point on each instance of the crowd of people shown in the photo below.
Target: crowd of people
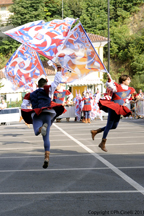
{"x": 86, "y": 106}
{"x": 133, "y": 100}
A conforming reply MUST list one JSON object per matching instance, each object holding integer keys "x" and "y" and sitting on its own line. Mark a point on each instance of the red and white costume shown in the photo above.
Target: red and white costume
{"x": 121, "y": 94}
{"x": 59, "y": 95}
{"x": 53, "y": 109}
{"x": 87, "y": 103}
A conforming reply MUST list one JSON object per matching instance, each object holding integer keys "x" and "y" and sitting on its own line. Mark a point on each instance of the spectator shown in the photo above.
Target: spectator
{"x": 98, "y": 94}
{"x": 133, "y": 102}
{"x": 140, "y": 95}
{"x": 87, "y": 107}
{"x": 3, "y": 104}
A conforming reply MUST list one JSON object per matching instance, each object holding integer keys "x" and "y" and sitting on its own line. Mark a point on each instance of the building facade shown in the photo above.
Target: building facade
{"x": 4, "y": 10}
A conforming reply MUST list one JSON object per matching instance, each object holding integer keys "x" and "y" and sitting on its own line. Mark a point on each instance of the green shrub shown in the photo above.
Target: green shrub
{"x": 14, "y": 104}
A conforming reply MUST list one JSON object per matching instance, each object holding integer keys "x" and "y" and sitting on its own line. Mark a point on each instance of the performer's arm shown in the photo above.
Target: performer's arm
{"x": 70, "y": 96}
{"x": 54, "y": 84}
{"x": 26, "y": 101}
{"x": 67, "y": 92}
{"x": 110, "y": 84}
{"x": 127, "y": 101}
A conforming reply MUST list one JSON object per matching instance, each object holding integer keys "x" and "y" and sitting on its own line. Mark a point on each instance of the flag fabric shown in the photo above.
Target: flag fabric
{"x": 78, "y": 55}
{"x": 78, "y": 108}
{"x": 72, "y": 49}
{"x": 24, "y": 68}
{"x": 95, "y": 112}
{"x": 45, "y": 38}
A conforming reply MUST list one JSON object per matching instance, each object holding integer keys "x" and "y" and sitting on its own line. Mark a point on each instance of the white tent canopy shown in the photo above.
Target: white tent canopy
{"x": 90, "y": 79}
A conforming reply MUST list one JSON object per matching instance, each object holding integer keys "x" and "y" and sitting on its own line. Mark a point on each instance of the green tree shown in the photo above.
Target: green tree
{"x": 1, "y": 85}
{"x": 137, "y": 82}
{"x": 94, "y": 16}
{"x": 26, "y": 11}
{"x": 7, "y": 47}
{"x": 120, "y": 37}
{"x": 53, "y": 9}
{"x": 126, "y": 50}
{"x": 76, "y": 7}
{"x": 122, "y": 9}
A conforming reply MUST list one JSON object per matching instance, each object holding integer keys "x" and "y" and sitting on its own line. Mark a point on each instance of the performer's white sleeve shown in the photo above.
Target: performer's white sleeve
{"x": 70, "y": 96}
{"x": 127, "y": 101}
{"x": 82, "y": 104}
{"x": 110, "y": 85}
{"x": 54, "y": 84}
{"x": 98, "y": 95}
{"x": 25, "y": 104}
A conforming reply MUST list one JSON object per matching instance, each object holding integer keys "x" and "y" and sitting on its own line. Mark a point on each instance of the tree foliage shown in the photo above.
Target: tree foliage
{"x": 94, "y": 16}
{"x": 52, "y": 9}
{"x": 7, "y": 47}
{"x": 26, "y": 11}
{"x": 1, "y": 85}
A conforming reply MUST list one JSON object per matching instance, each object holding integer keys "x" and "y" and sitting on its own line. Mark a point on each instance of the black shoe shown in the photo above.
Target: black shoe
{"x": 46, "y": 163}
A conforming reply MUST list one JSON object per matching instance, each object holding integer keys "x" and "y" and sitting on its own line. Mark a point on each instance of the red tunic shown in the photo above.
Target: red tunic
{"x": 118, "y": 100}
{"x": 26, "y": 113}
{"x": 60, "y": 96}
{"x": 87, "y": 104}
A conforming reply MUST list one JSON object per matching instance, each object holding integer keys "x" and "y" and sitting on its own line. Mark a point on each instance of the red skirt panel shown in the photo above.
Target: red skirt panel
{"x": 26, "y": 113}
{"x": 119, "y": 109}
{"x": 86, "y": 108}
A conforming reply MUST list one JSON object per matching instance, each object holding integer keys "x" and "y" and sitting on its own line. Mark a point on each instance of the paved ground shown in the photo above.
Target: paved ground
{"x": 81, "y": 179}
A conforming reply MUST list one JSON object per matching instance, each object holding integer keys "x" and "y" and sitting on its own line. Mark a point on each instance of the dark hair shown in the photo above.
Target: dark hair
{"x": 42, "y": 82}
{"x": 123, "y": 78}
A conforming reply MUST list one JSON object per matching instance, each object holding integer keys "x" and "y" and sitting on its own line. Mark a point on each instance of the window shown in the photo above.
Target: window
{"x": 3, "y": 8}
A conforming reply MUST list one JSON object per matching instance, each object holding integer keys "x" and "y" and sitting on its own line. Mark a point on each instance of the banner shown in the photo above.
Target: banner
{"x": 45, "y": 38}
{"x": 24, "y": 68}
{"x": 78, "y": 56}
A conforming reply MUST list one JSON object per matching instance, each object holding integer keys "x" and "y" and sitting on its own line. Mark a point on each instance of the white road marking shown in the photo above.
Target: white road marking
{"x": 69, "y": 192}
{"x": 64, "y": 146}
{"x": 68, "y": 169}
{"x": 97, "y": 138}
{"x": 129, "y": 180}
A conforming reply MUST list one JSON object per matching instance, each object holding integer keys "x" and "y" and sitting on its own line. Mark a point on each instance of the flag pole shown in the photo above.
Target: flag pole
{"x": 62, "y": 9}
{"x": 108, "y": 38}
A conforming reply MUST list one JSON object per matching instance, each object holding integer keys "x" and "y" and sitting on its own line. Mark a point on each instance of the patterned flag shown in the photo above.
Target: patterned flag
{"x": 45, "y": 38}
{"x": 78, "y": 55}
{"x": 78, "y": 108}
{"x": 24, "y": 68}
{"x": 96, "y": 112}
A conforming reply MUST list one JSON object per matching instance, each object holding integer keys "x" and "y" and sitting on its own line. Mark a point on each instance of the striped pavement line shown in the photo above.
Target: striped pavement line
{"x": 125, "y": 177}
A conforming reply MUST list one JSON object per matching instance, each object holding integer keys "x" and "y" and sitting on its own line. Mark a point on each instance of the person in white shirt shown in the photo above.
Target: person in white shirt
{"x": 3, "y": 104}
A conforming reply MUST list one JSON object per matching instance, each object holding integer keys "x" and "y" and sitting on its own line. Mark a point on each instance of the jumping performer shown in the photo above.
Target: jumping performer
{"x": 116, "y": 107}
{"x": 43, "y": 111}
